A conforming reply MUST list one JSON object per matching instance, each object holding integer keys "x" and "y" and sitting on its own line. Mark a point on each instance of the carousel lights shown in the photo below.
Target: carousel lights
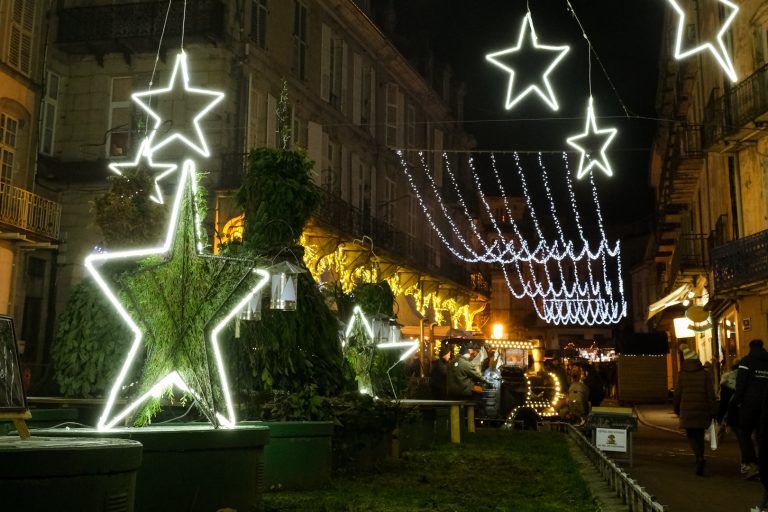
{"x": 531, "y": 43}
{"x": 717, "y": 48}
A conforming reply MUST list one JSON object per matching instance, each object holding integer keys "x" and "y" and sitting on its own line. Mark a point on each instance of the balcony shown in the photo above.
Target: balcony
{"x": 683, "y": 166}
{"x": 736, "y": 118}
{"x": 741, "y": 265}
{"x": 27, "y": 215}
{"x": 136, "y": 27}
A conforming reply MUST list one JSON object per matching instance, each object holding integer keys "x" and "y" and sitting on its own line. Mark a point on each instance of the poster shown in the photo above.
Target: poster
{"x": 11, "y": 390}
{"x": 611, "y": 439}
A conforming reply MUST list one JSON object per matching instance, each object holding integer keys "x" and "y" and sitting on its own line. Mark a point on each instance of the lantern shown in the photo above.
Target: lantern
{"x": 284, "y": 286}
{"x": 252, "y": 310}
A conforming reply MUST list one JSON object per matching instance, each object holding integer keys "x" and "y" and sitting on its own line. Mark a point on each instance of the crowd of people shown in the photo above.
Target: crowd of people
{"x": 742, "y": 409}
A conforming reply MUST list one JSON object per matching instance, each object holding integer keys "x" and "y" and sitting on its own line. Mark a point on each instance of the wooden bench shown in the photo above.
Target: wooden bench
{"x": 455, "y": 416}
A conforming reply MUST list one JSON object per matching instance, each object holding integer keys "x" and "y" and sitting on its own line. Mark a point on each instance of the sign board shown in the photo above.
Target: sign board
{"x": 611, "y": 439}
{"x": 11, "y": 391}
{"x": 612, "y": 418}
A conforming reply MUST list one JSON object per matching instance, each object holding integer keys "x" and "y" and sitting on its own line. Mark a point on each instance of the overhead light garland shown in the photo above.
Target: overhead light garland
{"x": 501, "y": 59}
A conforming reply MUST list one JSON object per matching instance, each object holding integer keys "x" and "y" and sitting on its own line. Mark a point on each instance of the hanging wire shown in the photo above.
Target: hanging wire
{"x": 183, "y": 24}
{"x": 157, "y": 58}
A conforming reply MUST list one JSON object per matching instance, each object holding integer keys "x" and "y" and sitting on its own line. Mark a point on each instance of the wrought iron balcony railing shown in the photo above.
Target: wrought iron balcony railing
{"x": 725, "y": 115}
{"x": 28, "y": 212}
{"x": 138, "y": 24}
{"x": 741, "y": 264}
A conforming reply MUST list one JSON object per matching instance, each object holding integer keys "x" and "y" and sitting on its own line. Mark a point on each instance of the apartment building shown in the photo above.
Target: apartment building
{"x": 29, "y": 218}
{"x": 353, "y": 100}
{"x": 710, "y": 172}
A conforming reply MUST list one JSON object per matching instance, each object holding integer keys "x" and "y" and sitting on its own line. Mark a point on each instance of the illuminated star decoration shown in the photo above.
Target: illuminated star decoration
{"x": 144, "y": 153}
{"x": 180, "y": 73}
{"x": 591, "y": 132}
{"x": 716, "y": 47}
{"x": 499, "y": 58}
{"x": 410, "y": 347}
{"x": 151, "y": 307}
{"x": 357, "y": 314}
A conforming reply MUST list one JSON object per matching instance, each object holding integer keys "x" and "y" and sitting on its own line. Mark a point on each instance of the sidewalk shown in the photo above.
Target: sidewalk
{"x": 664, "y": 465}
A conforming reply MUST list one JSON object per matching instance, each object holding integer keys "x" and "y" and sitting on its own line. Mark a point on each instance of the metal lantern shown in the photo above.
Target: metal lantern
{"x": 252, "y": 310}
{"x": 284, "y": 286}
{"x": 385, "y": 330}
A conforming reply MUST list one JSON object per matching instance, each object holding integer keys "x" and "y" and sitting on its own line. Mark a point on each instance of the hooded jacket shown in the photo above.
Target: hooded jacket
{"x": 461, "y": 375}
{"x": 752, "y": 383}
{"x": 694, "y": 395}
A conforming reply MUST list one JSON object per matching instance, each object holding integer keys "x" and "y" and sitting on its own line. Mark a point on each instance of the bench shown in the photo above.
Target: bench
{"x": 455, "y": 416}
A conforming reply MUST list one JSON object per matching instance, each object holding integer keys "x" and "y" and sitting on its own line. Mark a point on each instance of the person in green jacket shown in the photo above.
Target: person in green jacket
{"x": 463, "y": 375}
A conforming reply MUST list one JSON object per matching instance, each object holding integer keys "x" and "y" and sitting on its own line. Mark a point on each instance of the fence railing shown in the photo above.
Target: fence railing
{"x": 29, "y": 212}
{"x": 742, "y": 262}
{"x": 634, "y": 496}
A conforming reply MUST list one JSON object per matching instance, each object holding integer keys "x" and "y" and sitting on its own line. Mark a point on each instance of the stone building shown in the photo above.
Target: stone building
{"x": 710, "y": 172}
{"x": 353, "y": 99}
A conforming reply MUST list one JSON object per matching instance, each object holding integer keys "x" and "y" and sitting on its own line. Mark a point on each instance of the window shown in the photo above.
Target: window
{"x": 389, "y": 205}
{"x": 392, "y": 92}
{"x": 120, "y": 114}
{"x": 300, "y": 39}
{"x": 8, "y": 132}
{"x": 329, "y": 177}
{"x": 367, "y": 107}
{"x": 298, "y": 130}
{"x": 338, "y": 66}
{"x": 20, "y": 39}
{"x": 412, "y": 205}
{"x": 259, "y": 23}
{"x": 50, "y": 102}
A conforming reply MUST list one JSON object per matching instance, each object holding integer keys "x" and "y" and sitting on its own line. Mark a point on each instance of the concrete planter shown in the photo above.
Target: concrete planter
{"x": 63, "y": 473}
{"x": 194, "y": 467}
{"x": 298, "y": 455}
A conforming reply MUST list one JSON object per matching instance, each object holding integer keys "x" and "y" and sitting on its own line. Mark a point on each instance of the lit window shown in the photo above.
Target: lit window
{"x": 8, "y": 133}
{"x": 300, "y": 39}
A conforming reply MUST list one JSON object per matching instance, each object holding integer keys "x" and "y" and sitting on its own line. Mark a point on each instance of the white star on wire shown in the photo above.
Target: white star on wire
{"x": 716, "y": 47}
{"x": 94, "y": 261}
{"x": 145, "y": 154}
{"x": 548, "y": 96}
{"x": 200, "y": 146}
{"x": 591, "y": 130}
{"x": 410, "y": 347}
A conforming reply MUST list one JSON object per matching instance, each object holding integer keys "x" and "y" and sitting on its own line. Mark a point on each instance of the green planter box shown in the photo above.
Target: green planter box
{"x": 298, "y": 455}
{"x": 62, "y": 473}
{"x": 44, "y": 418}
{"x": 194, "y": 467}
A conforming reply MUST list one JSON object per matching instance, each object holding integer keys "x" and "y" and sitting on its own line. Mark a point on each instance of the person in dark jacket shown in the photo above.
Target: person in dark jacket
{"x": 463, "y": 375}
{"x": 694, "y": 402}
{"x": 727, "y": 412}
{"x": 591, "y": 378}
{"x": 438, "y": 375}
{"x": 762, "y": 450}
{"x": 751, "y": 386}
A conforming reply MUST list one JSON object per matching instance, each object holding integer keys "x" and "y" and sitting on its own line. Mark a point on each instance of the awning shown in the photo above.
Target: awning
{"x": 676, "y": 297}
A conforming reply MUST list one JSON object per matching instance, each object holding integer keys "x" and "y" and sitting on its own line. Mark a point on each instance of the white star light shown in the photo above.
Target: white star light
{"x": 357, "y": 313}
{"x": 716, "y": 47}
{"x": 410, "y": 346}
{"x": 92, "y": 263}
{"x": 496, "y": 58}
{"x": 142, "y": 98}
{"x": 146, "y": 154}
{"x": 591, "y": 130}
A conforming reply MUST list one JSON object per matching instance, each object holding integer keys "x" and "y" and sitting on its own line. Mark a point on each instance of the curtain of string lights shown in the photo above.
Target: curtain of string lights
{"x": 571, "y": 274}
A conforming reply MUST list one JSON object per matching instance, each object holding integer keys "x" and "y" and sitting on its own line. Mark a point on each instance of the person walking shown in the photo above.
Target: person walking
{"x": 727, "y": 412}
{"x": 762, "y": 451}
{"x": 751, "y": 386}
{"x": 694, "y": 402}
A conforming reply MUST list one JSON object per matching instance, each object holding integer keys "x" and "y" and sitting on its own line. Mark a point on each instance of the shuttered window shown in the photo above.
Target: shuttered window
{"x": 20, "y": 38}
{"x": 9, "y": 128}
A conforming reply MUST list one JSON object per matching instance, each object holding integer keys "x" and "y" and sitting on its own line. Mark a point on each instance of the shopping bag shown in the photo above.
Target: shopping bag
{"x": 713, "y": 435}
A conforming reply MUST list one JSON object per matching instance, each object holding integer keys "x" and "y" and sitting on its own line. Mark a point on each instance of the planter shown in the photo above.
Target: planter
{"x": 62, "y": 473}
{"x": 44, "y": 418}
{"x": 194, "y": 467}
{"x": 298, "y": 455}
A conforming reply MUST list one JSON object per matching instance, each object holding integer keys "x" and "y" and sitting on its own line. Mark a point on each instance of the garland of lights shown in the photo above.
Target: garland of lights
{"x": 586, "y": 300}
{"x": 95, "y": 261}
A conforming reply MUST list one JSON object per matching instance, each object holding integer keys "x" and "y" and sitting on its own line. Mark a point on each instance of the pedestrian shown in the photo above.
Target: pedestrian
{"x": 694, "y": 402}
{"x": 591, "y": 378}
{"x": 439, "y": 372}
{"x": 727, "y": 412}
{"x": 762, "y": 439}
{"x": 751, "y": 386}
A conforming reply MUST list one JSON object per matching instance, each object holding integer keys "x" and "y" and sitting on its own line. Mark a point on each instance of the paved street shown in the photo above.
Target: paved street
{"x": 664, "y": 466}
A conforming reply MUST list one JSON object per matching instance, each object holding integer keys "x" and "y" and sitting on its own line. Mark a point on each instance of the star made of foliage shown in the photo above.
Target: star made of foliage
{"x": 176, "y": 300}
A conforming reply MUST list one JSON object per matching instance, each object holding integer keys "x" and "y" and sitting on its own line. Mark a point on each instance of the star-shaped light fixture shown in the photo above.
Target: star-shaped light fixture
{"x": 410, "y": 347}
{"x": 529, "y": 43}
{"x": 593, "y": 155}
{"x": 144, "y": 154}
{"x": 716, "y": 46}
{"x": 224, "y": 304}
{"x": 179, "y": 77}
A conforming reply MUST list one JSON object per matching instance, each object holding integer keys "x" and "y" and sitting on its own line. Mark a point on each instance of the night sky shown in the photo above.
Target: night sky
{"x": 626, "y": 37}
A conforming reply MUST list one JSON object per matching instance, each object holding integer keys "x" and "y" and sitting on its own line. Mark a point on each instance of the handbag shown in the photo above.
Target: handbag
{"x": 713, "y": 435}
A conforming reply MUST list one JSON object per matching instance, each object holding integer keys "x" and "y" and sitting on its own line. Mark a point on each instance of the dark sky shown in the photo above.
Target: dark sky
{"x": 625, "y": 35}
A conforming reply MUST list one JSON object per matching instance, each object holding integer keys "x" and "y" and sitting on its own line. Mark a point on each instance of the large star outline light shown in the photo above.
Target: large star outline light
{"x": 180, "y": 73}
{"x": 223, "y": 298}
{"x": 547, "y": 94}
{"x": 716, "y": 46}
{"x": 591, "y": 132}
{"x": 145, "y": 154}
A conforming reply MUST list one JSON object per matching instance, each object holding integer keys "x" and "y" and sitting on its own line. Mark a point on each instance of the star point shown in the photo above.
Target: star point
{"x": 716, "y": 47}
{"x": 144, "y": 154}
{"x": 591, "y": 131}
{"x": 498, "y": 59}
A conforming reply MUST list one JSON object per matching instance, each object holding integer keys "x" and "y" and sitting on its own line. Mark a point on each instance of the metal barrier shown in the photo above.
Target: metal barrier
{"x": 625, "y": 487}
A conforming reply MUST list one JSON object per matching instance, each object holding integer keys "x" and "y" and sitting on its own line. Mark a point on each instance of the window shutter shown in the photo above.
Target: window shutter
{"x": 372, "y": 106}
{"x": 315, "y": 148}
{"x": 344, "y": 76}
{"x": 357, "y": 88}
{"x": 357, "y": 181}
{"x": 344, "y": 185}
{"x": 20, "y": 43}
{"x": 759, "y": 40}
{"x": 400, "y": 119}
{"x": 437, "y": 172}
{"x": 325, "y": 64}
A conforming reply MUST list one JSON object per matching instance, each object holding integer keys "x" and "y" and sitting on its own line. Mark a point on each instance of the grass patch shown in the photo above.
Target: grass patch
{"x": 493, "y": 470}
